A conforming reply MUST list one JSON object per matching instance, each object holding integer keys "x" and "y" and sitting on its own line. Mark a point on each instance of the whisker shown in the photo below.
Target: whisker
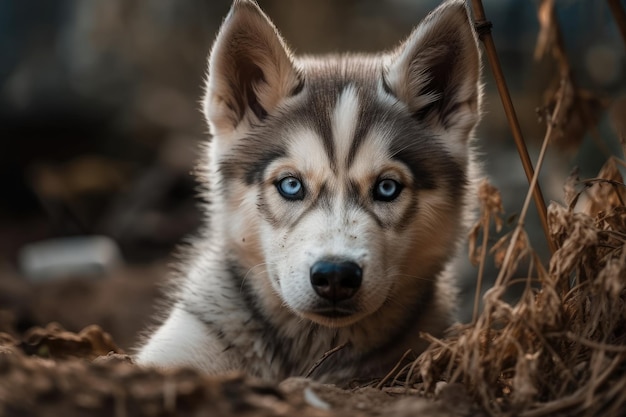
{"x": 411, "y": 276}
{"x": 261, "y": 264}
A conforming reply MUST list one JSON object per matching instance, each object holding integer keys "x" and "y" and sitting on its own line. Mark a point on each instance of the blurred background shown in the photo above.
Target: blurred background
{"x": 100, "y": 125}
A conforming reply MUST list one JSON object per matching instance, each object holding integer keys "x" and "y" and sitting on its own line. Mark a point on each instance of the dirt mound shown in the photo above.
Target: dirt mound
{"x": 53, "y": 372}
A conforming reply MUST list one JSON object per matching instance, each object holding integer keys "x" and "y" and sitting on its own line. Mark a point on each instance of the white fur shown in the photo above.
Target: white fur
{"x": 345, "y": 118}
{"x": 187, "y": 336}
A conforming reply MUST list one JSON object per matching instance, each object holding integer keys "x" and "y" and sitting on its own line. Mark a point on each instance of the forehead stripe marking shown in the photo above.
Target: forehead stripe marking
{"x": 364, "y": 126}
{"x": 344, "y": 123}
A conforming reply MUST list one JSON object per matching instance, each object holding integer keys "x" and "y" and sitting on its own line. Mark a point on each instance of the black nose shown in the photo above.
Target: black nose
{"x": 336, "y": 281}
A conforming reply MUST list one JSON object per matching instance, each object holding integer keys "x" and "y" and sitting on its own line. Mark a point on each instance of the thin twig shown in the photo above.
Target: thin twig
{"x": 481, "y": 266}
{"x": 589, "y": 343}
{"x": 409, "y": 374}
{"x": 394, "y": 370}
{"x": 484, "y": 30}
{"x": 620, "y": 17}
{"x": 533, "y": 183}
{"x": 552, "y": 407}
{"x": 323, "y": 358}
{"x": 592, "y": 181}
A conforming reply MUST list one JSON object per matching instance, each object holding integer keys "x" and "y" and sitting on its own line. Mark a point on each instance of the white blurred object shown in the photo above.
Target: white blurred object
{"x": 82, "y": 255}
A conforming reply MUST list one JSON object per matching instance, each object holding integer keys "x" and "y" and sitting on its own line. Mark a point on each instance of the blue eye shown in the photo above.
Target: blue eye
{"x": 387, "y": 190}
{"x": 290, "y": 188}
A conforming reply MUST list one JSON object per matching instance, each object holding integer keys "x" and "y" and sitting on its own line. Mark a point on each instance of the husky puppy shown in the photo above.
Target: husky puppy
{"x": 339, "y": 189}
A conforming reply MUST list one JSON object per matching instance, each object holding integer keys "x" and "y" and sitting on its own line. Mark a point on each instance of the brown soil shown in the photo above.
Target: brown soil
{"x": 47, "y": 370}
{"x": 66, "y": 375}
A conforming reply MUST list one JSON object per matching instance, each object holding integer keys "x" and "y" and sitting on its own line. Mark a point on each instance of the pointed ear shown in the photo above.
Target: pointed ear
{"x": 436, "y": 71}
{"x": 250, "y": 70}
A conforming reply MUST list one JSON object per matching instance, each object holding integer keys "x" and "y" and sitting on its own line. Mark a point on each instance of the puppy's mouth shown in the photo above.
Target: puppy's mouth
{"x": 334, "y": 313}
{"x": 333, "y": 316}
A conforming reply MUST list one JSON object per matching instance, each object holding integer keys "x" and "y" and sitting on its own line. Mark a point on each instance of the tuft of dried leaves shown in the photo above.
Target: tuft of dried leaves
{"x": 561, "y": 349}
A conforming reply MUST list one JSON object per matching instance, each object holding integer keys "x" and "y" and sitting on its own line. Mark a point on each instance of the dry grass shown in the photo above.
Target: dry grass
{"x": 560, "y": 349}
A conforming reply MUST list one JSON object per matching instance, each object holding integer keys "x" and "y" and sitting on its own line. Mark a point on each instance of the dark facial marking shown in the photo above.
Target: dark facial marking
{"x": 353, "y": 194}
{"x": 367, "y": 117}
{"x": 322, "y": 199}
{"x": 408, "y": 213}
{"x": 265, "y": 211}
{"x": 316, "y": 114}
{"x": 431, "y": 165}
{"x": 298, "y": 88}
{"x": 250, "y": 157}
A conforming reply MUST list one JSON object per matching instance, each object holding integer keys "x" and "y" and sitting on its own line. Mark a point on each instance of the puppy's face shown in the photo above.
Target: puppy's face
{"x": 347, "y": 222}
{"x": 346, "y": 175}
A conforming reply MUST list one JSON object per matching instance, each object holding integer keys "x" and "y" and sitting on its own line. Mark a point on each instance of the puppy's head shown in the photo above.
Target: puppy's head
{"x": 342, "y": 179}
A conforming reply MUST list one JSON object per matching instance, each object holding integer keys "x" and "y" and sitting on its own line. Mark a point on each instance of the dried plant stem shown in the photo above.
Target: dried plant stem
{"x": 620, "y": 17}
{"x": 481, "y": 267}
{"x": 394, "y": 371}
{"x": 533, "y": 183}
{"x": 509, "y": 110}
{"x": 323, "y": 358}
{"x": 550, "y": 408}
